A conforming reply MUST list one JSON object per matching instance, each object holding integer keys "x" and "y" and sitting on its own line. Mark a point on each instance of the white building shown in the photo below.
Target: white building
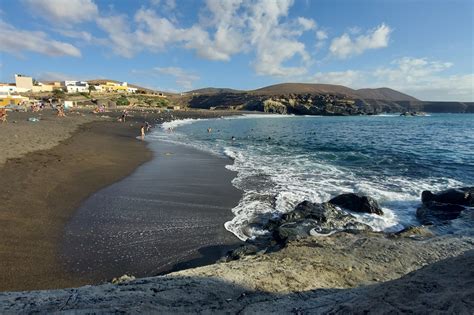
{"x": 76, "y": 86}
{"x": 131, "y": 90}
{"x": 7, "y": 88}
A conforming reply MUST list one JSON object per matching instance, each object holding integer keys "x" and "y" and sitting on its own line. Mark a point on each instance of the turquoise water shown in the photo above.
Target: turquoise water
{"x": 283, "y": 160}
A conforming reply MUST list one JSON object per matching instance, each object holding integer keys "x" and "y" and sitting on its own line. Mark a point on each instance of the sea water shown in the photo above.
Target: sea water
{"x": 282, "y": 160}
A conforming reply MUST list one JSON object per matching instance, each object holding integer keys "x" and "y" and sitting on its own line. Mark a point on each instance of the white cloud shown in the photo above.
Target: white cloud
{"x": 411, "y": 70}
{"x": 64, "y": 12}
{"x": 423, "y": 78}
{"x": 170, "y": 4}
{"x": 354, "y": 30}
{"x": 85, "y": 36}
{"x": 183, "y": 78}
{"x": 276, "y": 42}
{"x": 307, "y": 24}
{"x": 122, "y": 41}
{"x": 321, "y": 35}
{"x": 16, "y": 41}
{"x": 225, "y": 28}
{"x": 344, "y": 46}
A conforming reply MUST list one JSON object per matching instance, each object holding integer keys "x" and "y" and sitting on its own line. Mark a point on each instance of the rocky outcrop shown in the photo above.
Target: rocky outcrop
{"x": 357, "y": 203}
{"x": 344, "y": 273}
{"x": 310, "y": 218}
{"x": 326, "y": 104}
{"x": 446, "y": 205}
{"x": 276, "y": 107}
{"x": 458, "y": 196}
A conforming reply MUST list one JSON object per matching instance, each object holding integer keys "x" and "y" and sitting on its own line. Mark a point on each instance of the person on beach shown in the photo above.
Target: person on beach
{"x": 147, "y": 125}
{"x": 61, "y": 111}
{"x": 122, "y": 117}
{"x": 142, "y": 131}
{"x": 3, "y": 115}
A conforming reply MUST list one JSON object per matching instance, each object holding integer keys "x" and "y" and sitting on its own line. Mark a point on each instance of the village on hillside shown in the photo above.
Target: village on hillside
{"x": 26, "y": 93}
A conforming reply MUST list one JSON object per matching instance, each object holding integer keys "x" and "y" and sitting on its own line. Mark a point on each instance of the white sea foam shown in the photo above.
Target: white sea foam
{"x": 291, "y": 183}
{"x": 274, "y": 182}
{"x": 262, "y": 115}
{"x": 178, "y": 122}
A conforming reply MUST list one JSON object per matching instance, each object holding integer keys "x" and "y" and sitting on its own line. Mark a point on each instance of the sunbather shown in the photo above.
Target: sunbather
{"x": 3, "y": 115}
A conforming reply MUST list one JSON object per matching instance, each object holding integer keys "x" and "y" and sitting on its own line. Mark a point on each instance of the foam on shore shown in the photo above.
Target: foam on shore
{"x": 275, "y": 178}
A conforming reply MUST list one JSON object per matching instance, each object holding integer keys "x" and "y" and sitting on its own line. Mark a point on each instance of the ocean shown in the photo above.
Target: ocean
{"x": 282, "y": 160}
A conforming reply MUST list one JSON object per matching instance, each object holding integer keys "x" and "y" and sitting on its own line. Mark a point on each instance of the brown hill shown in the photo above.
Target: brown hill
{"x": 333, "y": 89}
{"x": 212, "y": 90}
{"x": 305, "y": 88}
{"x": 384, "y": 94}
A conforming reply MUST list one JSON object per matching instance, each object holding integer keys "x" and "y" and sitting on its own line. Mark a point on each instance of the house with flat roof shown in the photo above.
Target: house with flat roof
{"x": 23, "y": 83}
{"x": 114, "y": 87}
{"x": 76, "y": 86}
{"x": 6, "y": 88}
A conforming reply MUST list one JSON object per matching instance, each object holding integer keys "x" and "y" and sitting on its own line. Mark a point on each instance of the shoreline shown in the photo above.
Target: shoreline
{"x": 44, "y": 187}
{"x": 44, "y": 190}
{"x": 168, "y": 215}
{"x": 351, "y": 271}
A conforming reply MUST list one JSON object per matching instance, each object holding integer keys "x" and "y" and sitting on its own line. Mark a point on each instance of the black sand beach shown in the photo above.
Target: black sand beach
{"x": 169, "y": 214}
{"x": 52, "y": 167}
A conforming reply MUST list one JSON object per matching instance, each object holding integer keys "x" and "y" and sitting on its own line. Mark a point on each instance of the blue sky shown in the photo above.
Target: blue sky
{"x": 423, "y": 48}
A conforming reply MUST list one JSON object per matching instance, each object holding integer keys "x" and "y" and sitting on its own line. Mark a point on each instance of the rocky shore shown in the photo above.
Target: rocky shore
{"x": 353, "y": 270}
{"x": 321, "y": 104}
{"x": 341, "y": 273}
{"x": 449, "y": 211}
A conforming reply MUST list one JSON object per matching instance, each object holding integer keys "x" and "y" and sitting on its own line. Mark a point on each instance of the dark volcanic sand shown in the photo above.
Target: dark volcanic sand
{"x": 41, "y": 190}
{"x": 168, "y": 214}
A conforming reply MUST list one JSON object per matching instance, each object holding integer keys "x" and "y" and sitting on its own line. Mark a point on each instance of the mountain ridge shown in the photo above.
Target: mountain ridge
{"x": 383, "y": 93}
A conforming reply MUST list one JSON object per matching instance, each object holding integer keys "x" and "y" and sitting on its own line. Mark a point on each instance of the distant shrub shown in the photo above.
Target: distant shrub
{"x": 162, "y": 102}
{"x": 58, "y": 93}
{"x": 122, "y": 101}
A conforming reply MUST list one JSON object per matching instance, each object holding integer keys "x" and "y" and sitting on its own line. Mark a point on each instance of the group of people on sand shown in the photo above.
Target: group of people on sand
{"x": 143, "y": 128}
{"x": 34, "y": 108}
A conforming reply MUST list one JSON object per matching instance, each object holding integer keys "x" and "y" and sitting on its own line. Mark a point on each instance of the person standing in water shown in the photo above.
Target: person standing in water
{"x": 142, "y": 131}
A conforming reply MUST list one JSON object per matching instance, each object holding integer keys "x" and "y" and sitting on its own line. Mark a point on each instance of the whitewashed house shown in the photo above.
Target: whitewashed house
{"x": 76, "y": 86}
{"x": 7, "y": 88}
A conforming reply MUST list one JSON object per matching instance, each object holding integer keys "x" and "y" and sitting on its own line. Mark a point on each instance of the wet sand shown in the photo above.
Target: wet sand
{"x": 169, "y": 214}
{"x": 49, "y": 174}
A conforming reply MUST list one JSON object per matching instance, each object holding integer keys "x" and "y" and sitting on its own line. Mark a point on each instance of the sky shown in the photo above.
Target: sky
{"x": 423, "y": 48}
